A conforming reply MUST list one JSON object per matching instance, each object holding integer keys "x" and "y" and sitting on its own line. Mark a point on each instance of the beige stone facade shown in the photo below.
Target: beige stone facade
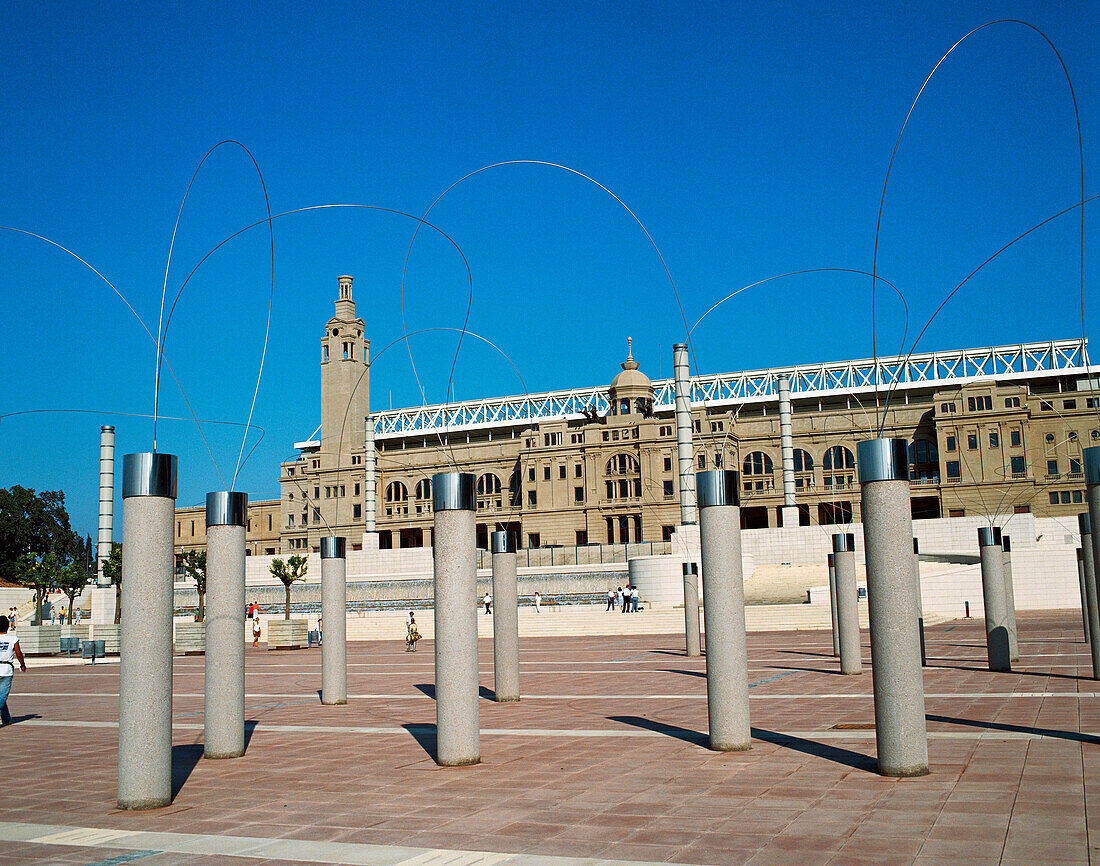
{"x": 979, "y": 446}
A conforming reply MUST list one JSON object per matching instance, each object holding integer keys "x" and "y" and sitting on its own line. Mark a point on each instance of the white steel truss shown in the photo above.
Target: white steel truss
{"x": 1010, "y": 363}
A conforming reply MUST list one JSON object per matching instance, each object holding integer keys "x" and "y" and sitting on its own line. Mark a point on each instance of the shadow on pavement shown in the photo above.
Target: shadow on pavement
{"x": 702, "y": 674}
{"x": 184, "y": 759}
{"x": 674, "y": 731}
{"x": 1021, "y": 729}
{"x": 424, "y": 736}
{"x": 426, "y": 688}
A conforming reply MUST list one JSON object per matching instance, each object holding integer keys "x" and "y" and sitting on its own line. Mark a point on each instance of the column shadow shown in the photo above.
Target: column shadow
{"x": 184, "y": 759}
{"x": 677, "y": 733}
{"x": 986, "y": 670}
{"x": 249, "y": 727}
{"x": 425, "y": 737}
{"x": 1075, "y": 736}
{"x": 426, "y": 688}
{"x": 806, "y": 670}
{"x": 702, "y": 674}
{"x": 806, "y": 653}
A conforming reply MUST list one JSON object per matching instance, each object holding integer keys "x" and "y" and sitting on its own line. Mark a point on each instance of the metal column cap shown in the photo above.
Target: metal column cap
{"x": 333, "y": 547}
{"x": 916, "y": 545}
{"x": 1092, "y": 464}
{"x": 502, "y": 541}
{"x": 832, "y": 560}
{"x": 106, "y": 428}
{"x": 1006, "y": 544}
{"x": 691, "y": 569}
{"x": 149, "y": 474}
{"x": 1084, "y": 523}
{"x": 679, "y": 347}
{"x": 717, "y": 487}
{"x": 453, "y": 491}
{"x": 844, "y": 542}
{"x": 882, "y": 460}
{"x": 226, "y": 508}
{"x": 989, "y": 536}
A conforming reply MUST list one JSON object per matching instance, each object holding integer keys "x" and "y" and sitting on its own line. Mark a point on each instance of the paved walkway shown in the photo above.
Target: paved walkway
{"x": 602, "y": 761}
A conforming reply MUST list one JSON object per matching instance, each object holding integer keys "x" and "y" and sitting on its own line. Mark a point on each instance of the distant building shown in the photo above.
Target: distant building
{"x": 991, "y": 431}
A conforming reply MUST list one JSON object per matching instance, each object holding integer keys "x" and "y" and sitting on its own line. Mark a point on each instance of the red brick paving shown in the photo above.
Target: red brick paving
{"x": 996, "y": 791}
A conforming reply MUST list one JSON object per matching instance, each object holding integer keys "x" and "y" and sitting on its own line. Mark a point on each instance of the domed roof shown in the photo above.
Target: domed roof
{"x": 631, "y": 378}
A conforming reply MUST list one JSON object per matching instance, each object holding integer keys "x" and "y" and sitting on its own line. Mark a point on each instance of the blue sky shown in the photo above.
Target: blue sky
{"x": 750, "y": 139}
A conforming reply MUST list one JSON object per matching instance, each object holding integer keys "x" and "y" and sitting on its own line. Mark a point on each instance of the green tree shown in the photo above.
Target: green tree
{"x": 33, "y": 524}
{"x": 291, "y": 571}
{"x": 72, "y": 579}
{"x": 112, "y": 570}
{"x": 194, "y": 564}
{"x": 39, "y": 573}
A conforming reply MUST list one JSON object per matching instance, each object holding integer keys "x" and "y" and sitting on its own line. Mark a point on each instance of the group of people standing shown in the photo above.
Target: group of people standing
{"x": 625, "y": 599}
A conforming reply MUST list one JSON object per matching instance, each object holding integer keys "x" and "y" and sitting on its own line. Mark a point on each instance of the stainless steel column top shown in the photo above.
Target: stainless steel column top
{"x": 831, "y": 560}
{"x": 989, "y": 536}
{"x": 1006, "y": 544}
{"x": 106, "y": 428}
{"x": 1092, "y": 464}
{"x": 916, "y": 545}
{"x": 1084, "y": 524}
{"x": 333, "y": 547}
{"x": 690, "y": 568}
{"x": 717, "y": 487}
{"x": 453, "y": 491}
{"x": 882, "y": 460}
{"x": 149, "y": 474}
{"x": 502, "y": 541}
{"x": 843, "y": 541}
{"x": 226, "y": 508}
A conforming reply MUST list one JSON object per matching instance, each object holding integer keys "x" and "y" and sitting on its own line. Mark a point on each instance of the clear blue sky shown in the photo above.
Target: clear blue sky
{"x": 750, "y": 138}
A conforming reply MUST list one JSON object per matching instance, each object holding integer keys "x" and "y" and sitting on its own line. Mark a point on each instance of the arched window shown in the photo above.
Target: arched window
{"x": 758, "y": 463}
{"x": 488, "y": 485}
{"x": 515, "y": 489}
{"x": 623, "y": 477}
{"x": 424, "y": 489}
{"x": 837, "y": 459}
{"x": 396, "y": 492}
{"x": 925, "y": 460}
{"x": 803, "y": 461}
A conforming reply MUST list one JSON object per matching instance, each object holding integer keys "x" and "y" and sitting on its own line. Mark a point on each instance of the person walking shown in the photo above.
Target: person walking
{"x": 10, "y": 653}
{"x": 538, "y": 602}
{"x": 488, "y": 603}
{"x": 626, "y": 599}
{"x": 256, "y": 631}
{"x": 610, "y": 600}
{"x": 618, "y": 598}
{"x": 412, "y": 633}
{"x": 633, "y": 599}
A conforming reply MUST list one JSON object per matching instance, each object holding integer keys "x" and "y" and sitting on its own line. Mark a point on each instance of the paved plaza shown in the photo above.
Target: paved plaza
{"x": 604, "y": 758}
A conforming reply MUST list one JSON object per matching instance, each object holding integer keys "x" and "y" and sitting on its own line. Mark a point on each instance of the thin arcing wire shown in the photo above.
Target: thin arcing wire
{"x": 882, "y": 202}
{"x": 145, "y": 327}
{"x": 162, "y": 335}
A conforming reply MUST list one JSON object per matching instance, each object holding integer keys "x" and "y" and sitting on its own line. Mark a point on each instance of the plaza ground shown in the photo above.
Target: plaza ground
{"x": 604, "y": 758}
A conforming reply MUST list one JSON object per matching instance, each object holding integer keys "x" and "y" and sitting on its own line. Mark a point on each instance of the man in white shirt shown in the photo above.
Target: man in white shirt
{"x": 9, "y": 654}
{"x": 488, "y": 603}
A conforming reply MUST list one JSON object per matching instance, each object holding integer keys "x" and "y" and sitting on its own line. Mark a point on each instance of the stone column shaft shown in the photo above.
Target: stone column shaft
{"x": 993, "y": 598}
{"x": 1082, "y": 558}
{"x": 106, "y": 500}
{"x": 1010, "y": 599}
{"x": 724, "y": 602}
{"x": 505, "y": 619}
{"x": 684, "y": 459}
{"x": 145, "y": 634}
{"x": 832, "y": 604}
{"x": 847, "y": 604}
{"x": 1089, "y": 542}
{"x": 786, "y": 441}
{"x": 334, "y": 612}
{"x": 691, "y": 609}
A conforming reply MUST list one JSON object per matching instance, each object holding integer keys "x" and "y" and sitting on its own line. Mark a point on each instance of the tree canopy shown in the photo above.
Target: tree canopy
{"x": 294, "y": 569}
{"x": 34, "y": 524}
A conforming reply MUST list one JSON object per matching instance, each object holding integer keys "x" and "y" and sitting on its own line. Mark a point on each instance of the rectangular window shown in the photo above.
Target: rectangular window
{"x": 666, "y": 533}
{"x": 577, "y": 471}
{"x": 1052, "y": 467}
{"x": 668, "y": 464}
{"x": 668, "y": 488}
{"x": 1021, "y": 509}
{"x": 532, "y": 500}
{"x": 328, "y": 492}
{"x": 1014, "y": 438}
{"x": 1077, "y": 496}
{"x": 717, "y": 461}
{"x": 994, "y": 440}
{"x": 971, "y": 441}
{"x": 561, "y": 471}
{"x": 970, "y": 404}
{"x": 1092, "y": 402}
{"x": 582, "y": 537}
{"x": 614, "y": 435}
{"x": 1065, "y": 497}
{"x": 1046, "y": 406}
{"x": 533, "y": 539}
{"x": 702, "y": 462}
{"x": 956, "y": 512}
{"x": 578, "y": 494}
{"x": 357, "y": 511}
{"x": 316, "y": 492}
{"x": 698, "y": 426}
{"x": 1069, "y": 404}
{"x": 356, "y": 489}
{"x": 1075, "y": 465}
{"x": 952, "y": 469}
{"x": 606, "y": 435}
{"x": 545, "y": 473}
{"x": 951, "y": 445}
{"x": 531, "y": 474}
{"x": 1054, "y": 497}
{"x": 316, "y": 515}
{"x": 290, "y": 520}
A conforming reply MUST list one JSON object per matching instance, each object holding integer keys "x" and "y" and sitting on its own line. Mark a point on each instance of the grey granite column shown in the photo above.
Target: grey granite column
{"x": 901, "y": 733}
{"x": 847, "y": 603}
{"x": 223, "y": 720}
{"x": 457, "y": 719}
{"x": 993, "y": 598}
{"x": 145, "y": 634}
{"x": 685, "y": 463}
{"x": 1088, "y": 544}
{"x": 724, "y": 602}
{"x": 505, "y": 618}
{"x": 832, "y": 604}
{"x": 1010, "y": 599}
{"x": 334, "y": 612}
{"x": 691, "y": 608}
{"x": 1082, "y": 558}
{"x": 919, "y": 601}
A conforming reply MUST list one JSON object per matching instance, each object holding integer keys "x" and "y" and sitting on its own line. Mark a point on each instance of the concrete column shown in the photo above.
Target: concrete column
{"x": 106, "y": 501}
{"x": 724, "y": 603}
{"x": 334, "y": 612}
{"x": 1010, "y": 599}
{"x": 1081, "y": 559}
{"x": 832, "y": 604}
{"x": 457, "y": 719}
{"x": 223, "y": 721}
{"x": 900, "y": 731}
{"x": 786, "y": 450}
{"x": 505, "y": 618}
{"x": 145, "y": 634}
{"x": 847, "y": 603}
{"x": 920, "y": 602}
{"x": 1088, "y": 544}
{"x": 691, "y": 608}
{"x": 684, "y": 458}
{"x": 369, "y": 457}
{"x": 993, "y": 597}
